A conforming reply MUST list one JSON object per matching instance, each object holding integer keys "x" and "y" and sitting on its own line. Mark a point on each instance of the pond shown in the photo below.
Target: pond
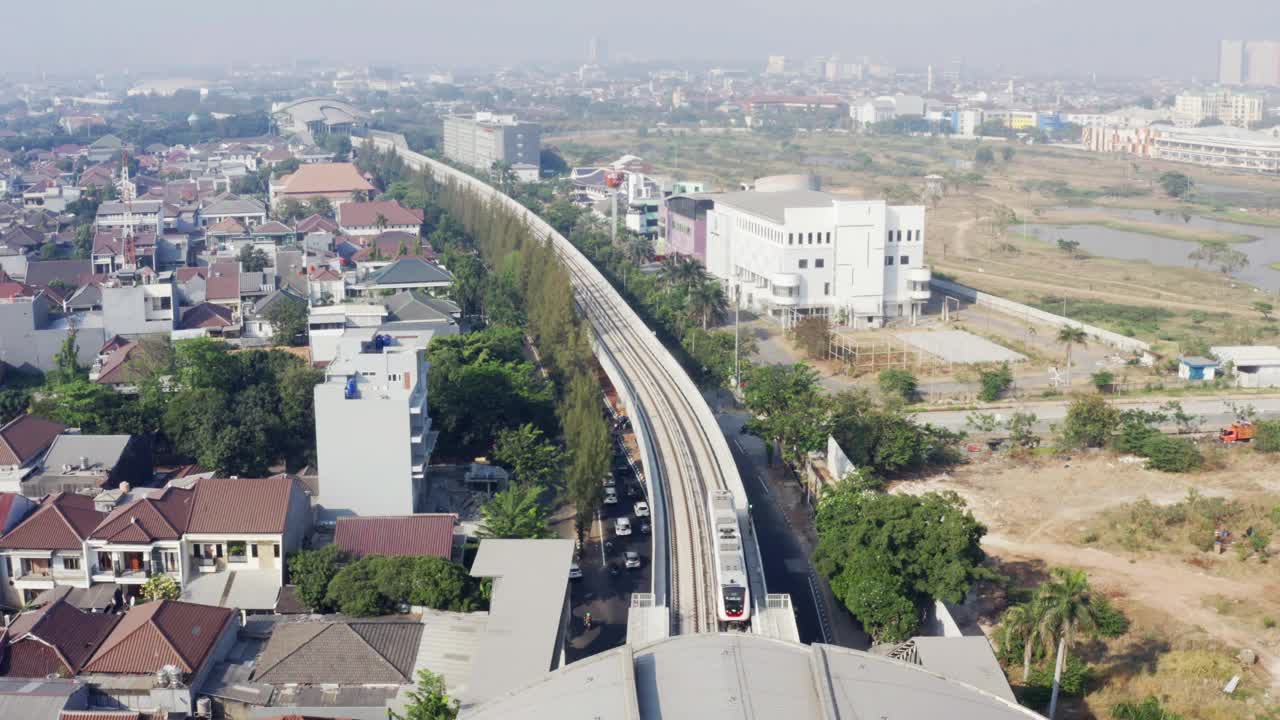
{"x": 1126, "y": 245}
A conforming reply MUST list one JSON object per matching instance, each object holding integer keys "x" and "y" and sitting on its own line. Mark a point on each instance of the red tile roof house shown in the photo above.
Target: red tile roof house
{"x": 55, "y": 640}
{"x": 23, "y": 441}
{"x": 377, "y": 217}
{"x": 223, "y": 539}
{"x": 159, "y": 655}
{"x": 339, "y": 182}
{"x": 429, "y": 534}
{"x": 48, "y": 547}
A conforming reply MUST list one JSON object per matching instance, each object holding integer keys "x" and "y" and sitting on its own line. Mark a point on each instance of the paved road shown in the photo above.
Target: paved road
{"x": 1214, "y": 411}
{"x": 786, "y": 562}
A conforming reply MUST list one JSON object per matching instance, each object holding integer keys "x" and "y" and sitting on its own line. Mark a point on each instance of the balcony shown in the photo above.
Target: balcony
{"x": 920, "y": 275}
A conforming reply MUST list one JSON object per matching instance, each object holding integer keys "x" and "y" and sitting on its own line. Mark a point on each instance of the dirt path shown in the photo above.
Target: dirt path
{"x": 1164, "y": 586}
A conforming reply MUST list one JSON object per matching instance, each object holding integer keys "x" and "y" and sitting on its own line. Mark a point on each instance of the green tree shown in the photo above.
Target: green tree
{"x": 428, "y": 701}
{"x": 253, "y": 259}
{"x": 320, "y": 206}
{"x": 994, "y": 383}
{"x": 1007, "y": 153}
{"x": 787, "y": 407}
{"x": 66, "y": 363}
{"x": 531, "y": 457}
{"x": 288, "y": 318}
{"x": 1266, "y": 436}
{"x": 1175, "y": 455}
{"x": 899, "y": 383}
{"x": 984, "y": 156}
{"x": 1070, "y": 247}
{"x": 587, "y": 438}
{"x": 1102, "y": 379}
{"x": 1148, "y": 709}
{"x": 1090, "y": 422}
{"x": 376, "y": 585}
{"x": 888, "y": 556}
{"x": 1264, "y": 308}
{"x": 706, "y": 301}
{"x": 884, "y": 440}
{"x": 310, "y": 572}
{"x": 813, "y": 335}
{"x": 1070, "y": 336}
{"x": 516, "y": 512}
{"x": 1176, "y": 184}
{"x": 1066, "y": 607}
{"x": 1021, "y": 427}
{"x": 161, "y": 587}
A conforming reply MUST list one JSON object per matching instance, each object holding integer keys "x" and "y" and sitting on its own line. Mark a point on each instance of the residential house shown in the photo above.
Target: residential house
{"x": 223, "y": 285}
{"x": 406, "y": 273}
{"x": 114, "y": 367}
{"x": 327, "y": 325}
{"x": 48, "y": 547}
{"x": 59, "y": 699}
{"x": 140, "y": 214}
{"x": 31, "y": 334}
{"x": 338, "y": 182}
{"x": 325, "y": 285}
{"x": 191, "y": 283}
{"x": 425, "y": 535}
{"x": 113, "y": 250}
{"x": 257, "y": 317}
{"x": 257, "y": 285}
{"x": 316, "y": 223}
{"x": 277, "y": 232}
{"x": 379, "y": 251}
{"x": 104, "y": 149}
{"x": 77, "y": 463}
{"x": 248, "y": 212}
{"x": 65, "y": 274}
{"x": 208, "y": 320}
{"x": 23, "y": 441}
{"x": 54, "y": 640}
{"x": 158, "y": 656}
{"x": 139, "y": 308}
{"x": 378, "y": 216}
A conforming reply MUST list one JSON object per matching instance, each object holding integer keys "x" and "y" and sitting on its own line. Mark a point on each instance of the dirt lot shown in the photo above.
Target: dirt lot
{"x": 1188, "y": 607}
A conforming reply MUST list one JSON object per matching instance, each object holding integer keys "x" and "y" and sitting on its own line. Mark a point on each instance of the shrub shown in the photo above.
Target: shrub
{"x": 1102, "y": 379}
{"x": 1112, "y": 622}
{"x": 898, "y": 382}
{"x": 1268, "y": 622}
{"x": 1076, "y": 676}
{"x": 161, "y": 587}
{"x": 1173, "y": 455}
{"x": 1267, "y": 436}
{"x": 995, "y": 383}
{"x": 1090, "y": 422}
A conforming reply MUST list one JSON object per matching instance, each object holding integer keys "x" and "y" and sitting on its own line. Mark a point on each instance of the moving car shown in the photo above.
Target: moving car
{"x": 641, "y": 508}
{"x": 610, "y": 496}
{"x": 622, "y": 526}
{"x": 644, "y": 527}
{"x": 575, "y": 572}
{"x": 633, "y": 560}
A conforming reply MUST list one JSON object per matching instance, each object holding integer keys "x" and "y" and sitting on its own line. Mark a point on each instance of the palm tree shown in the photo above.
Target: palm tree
{"x": 1064, "y": 607}
{"x": 682, "y": 272}
{"x": 1148, "y": 709}
{"x": 515, "y": 513}
{"x": 707, "y": 300}
{"x": 1071, "y": 336}
{"x": 1020, "y": 623}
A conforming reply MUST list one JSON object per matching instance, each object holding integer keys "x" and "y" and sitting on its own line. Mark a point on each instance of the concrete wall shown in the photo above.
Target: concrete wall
{"x": 27, "y": 341}
{"x": 363, "y": 450}
{"x": 1026, "y": 312}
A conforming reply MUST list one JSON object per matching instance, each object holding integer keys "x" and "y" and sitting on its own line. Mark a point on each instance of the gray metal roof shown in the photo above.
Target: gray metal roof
{"x": 140, "y": 207}
{"x": 28, "y": 698}
{"x": 965, "y": 659}
{"x": 735, "y": 675}
{"x": 101, "y": 451}
{"x": 773, "y": 205}
{"x": 410, "y": 271}
{"x": 408, "y": 305}
{"x": 521, "y": 640}
{"x": 234, "y": 207}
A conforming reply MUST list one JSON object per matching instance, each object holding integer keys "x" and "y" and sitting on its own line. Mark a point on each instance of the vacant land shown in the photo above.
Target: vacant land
{"x": 1140, "y": 536}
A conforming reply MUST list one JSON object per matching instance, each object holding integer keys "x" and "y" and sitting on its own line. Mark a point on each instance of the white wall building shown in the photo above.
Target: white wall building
{"x": 373, "y": 433}
{"x": 1230, "y": 108}
{"x": 797, "y": 253}
{"x": 487, "y": 138}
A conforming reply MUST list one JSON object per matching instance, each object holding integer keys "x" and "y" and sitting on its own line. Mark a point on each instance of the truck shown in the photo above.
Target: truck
{"x": 1238, "y": 432}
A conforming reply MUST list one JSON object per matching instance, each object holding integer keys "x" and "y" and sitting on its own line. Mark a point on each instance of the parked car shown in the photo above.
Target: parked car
{"x": 633, "y": 560}
{"x": 641, "y": 509}
{"x": 622, "y": 526}
{"x": 575, "y": 572}
{"x": 610, "y": 496}
{"x": 608, "y": 481}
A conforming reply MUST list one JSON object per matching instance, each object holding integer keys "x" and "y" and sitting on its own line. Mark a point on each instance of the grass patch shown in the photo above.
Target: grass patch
{"x": 1173, "y": 232}
{"x": 1242, "y": 218}
{"x": 1124, "y": 319}
{"x": 1185, "y": 525}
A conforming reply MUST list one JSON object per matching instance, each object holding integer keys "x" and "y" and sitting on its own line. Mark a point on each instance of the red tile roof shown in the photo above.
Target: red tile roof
{"x": 227, "y": 226}
{"x": 164, "y": 632}
{"x": 365, "y": 214}
{"x": 25, "y": 437}
{"x": 114, "y": 370}
{"x": 325, "y": 274}
{"x": 243, "y": 505}
{"x": 163, "y": 515}
{"x": 388, "y": 247}
{"x": 224, "y": 281}
{"x": 57, "y": 639}
{"x": 207, "y": 315}
{"x": 187, "y": 274}
{"x": 273, "y": 228}
{"x": 326, "y": 178}
{"x": 413, "y": 535}
{"x": 11, "y": 290}
{"x": 62, "y": 522}
{"x": 316, "y": 223}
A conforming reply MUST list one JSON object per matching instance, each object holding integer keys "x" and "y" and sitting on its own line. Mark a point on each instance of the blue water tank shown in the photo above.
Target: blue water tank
{"x": 352, "y": 392}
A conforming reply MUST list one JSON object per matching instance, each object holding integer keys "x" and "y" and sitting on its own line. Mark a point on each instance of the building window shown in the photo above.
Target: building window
{"x": 253, "y": 550}
{"x": 791, "y": 238}
{"x": 826, "y": 288}
{"x": 70, "y": 563}
{"x": 888, "y": 259}
{"x": 275, "y": 550}
{"x": 828, "y": 238}
{"x": 810, "y": 238}
{"x": 804, "y": 264}
{"x": 890, "y": 235}
{"x": 819, "y": 262}
{"x": 904, "y": 260}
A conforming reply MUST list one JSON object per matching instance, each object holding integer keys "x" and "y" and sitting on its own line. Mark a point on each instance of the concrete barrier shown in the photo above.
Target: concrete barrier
{"x": 1026, "y": 312}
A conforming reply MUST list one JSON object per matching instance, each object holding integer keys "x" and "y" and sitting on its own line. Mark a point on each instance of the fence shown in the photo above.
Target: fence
{"x": 1026, "y": 312}
{"x": 858, "y": 357}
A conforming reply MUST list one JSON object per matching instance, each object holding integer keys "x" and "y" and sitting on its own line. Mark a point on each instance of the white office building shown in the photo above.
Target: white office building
{"x": 373, "y": 433}
{"x": 1230, "y": 108}
{"x": 797, "y": 253}
{"x": 486, "y": 138}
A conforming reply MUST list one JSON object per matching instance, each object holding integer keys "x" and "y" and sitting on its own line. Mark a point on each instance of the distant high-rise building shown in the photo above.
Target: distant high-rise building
{"x": 777, "y": 65}
{"x": 1231, "y": 62}
{"x": 1238, "y": 109}
{"x": 954, "y": 71}
{"x": 597, "y": 52}
{"x": 929, "y": 87}
{"x": 1262, "y": 63}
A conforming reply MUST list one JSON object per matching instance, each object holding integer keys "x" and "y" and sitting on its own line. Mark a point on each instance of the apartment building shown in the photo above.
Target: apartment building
{"x": 798, "y": 253}
{"x": 486, "y": 138}
{"x": 1230, "y": 108}
{"x": 373, "y": 432}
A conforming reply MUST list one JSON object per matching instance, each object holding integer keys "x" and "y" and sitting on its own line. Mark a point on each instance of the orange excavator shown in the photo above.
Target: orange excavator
{"x": 1238, "y": 432}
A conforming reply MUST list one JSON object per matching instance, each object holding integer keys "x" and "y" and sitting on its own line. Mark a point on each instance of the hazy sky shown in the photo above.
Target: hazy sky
{"x": 1112, "y": 37}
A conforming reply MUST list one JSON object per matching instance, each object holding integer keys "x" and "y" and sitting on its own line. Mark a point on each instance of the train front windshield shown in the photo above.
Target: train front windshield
{"x": 734, "y": 599}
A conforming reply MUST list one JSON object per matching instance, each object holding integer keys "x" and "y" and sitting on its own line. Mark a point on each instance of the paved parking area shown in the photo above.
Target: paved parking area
{"x": 958, "y": 346}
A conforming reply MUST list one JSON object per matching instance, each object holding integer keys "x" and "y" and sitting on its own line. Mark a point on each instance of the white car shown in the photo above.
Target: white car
{"x": 575, "y": 572}
{"x": 608, "y": 481}
{"x": 610, "y": 496}
{"x": 633, "y": 560}
{"x": 642, "y": 509}
{"x": 622, "y": 526}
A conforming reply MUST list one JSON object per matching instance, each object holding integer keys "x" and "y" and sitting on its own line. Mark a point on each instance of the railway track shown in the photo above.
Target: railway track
{"x": 690, "y": 454}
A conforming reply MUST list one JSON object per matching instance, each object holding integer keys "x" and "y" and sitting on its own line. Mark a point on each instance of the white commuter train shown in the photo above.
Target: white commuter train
{"x": 733, "y": 597}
